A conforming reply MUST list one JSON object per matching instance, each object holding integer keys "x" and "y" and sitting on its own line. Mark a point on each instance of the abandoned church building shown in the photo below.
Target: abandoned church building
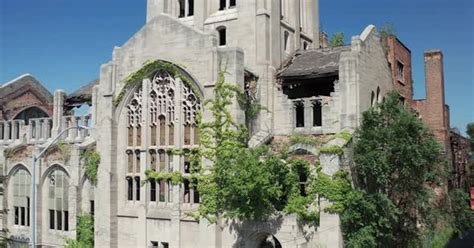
{"x": 270, "y": 48}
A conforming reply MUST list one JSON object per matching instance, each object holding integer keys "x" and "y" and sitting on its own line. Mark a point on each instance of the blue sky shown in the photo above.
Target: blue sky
{"x": 63, "y": 43}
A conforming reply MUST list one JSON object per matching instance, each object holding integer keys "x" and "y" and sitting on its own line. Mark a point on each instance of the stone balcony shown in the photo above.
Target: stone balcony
{"x": 41, "y": 130}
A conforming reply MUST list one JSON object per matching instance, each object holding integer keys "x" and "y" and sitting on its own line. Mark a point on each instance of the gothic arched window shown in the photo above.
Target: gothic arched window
{"x": 21, "y": 197}
{"x": 58, "y": 202}
{"x": 171, "y": 124}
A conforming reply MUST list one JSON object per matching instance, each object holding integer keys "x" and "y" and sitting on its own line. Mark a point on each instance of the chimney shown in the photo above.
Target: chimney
{"x": 434, "y": 77}
{"x": 437, "y": 112}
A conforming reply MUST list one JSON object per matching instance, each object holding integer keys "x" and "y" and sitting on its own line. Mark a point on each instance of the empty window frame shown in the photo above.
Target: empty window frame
{"x": 299, "y": 114}
{"x": 182, "y": 8}
{"x": 400, "y": 71}
{"x": 317, "y": 114}
{"x": 222, "y": 33}
{"x": 129, "y": 188}
{"x": 137, "y": 188}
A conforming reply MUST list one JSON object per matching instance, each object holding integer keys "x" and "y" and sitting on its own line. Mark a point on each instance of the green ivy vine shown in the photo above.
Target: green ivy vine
{"x": 91, "y": 164}
{"x": 146, "y": 70}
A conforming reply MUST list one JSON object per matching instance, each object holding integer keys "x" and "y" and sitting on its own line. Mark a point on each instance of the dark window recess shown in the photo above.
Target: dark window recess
{"x": 304, "y": 88}
{"x": 51, "y": 219}
{"x": 232, "y": 3}
{"x": 402, "y": 100}
{"x": 154, "y": 244}
{"x": 187, "y": 167}
{"x": 17, "y": 215}
{"x": 129, "y": 189}
{"x": 181, "y": 8}
{"x": 222, "y": 4}
{"x": 317, "y": 114}
{"x": 153, "y": 191}
{"x": 137, "y": 185}
{"x": 28, "y": 211}
{"x": 222, "y": 36}
{"x": 66, "y": 221}
{"x": 92, "y": 207}
{"x": 196, "y": 195}
{"x": 400, "y": 71}
{"x": 305, "y": 45}
{"x": 299, "y": 111}
{"x": 22, "y": 215}
{"x": 190, "y": 7}
{"x": 59, "y": 220}
{"x": 165, "y": 245}
{"x": 303, "y": 178}
{"x": 186, "y": 195}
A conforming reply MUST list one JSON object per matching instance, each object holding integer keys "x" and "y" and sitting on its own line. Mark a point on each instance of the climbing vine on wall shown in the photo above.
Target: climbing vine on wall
{"x": 237, "y": 181}
{"x": 91, "y": 164}
{"x": 146, "y": 70}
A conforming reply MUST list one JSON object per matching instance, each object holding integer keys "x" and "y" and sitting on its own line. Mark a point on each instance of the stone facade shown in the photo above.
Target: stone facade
{"x": 132, "y": 127}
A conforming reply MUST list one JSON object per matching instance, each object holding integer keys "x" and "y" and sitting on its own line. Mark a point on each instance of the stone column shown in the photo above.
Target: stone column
{"x": 58, "y": 111}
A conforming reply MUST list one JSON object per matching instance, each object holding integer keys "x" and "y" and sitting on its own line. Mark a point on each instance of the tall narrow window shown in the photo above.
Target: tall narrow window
{"x": 195, "y": 195}
{"x": 232, "y": 3}
{"x": 186, "y": 192}
{"x": 162, "y": 190}
{"x": 129, "y": 189}
{"x": 372, "y": 99}
{"x": 222, "y": 4}
{"x": 21, "y": 197}
{"x": 303, "y": 178}
{"x": 182, "y": 8}
{"x": 299, "y": 114}
{"x": 222, "y": 36}
{"x": 400, "y": 71}
{"x": 92, "y": 207}
{"x": 153, "y": 191}
{"x": 58, "y": 200}
{"x": 190, "y": 7}
{"x": 317, "y": 114}
{"x": 137, "y": 188}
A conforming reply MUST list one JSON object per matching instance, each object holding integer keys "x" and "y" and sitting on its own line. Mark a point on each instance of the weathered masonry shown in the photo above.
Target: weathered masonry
{"x": 144, "y": 106}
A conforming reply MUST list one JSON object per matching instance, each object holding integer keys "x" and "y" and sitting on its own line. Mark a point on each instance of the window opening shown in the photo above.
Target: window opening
{"x": 317, "y": 114}
{"x": 299, "y": 110}
{"x": 222, "y": 36}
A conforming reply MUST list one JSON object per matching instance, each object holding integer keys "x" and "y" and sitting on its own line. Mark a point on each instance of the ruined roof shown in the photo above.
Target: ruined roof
{"x": 22, "y": 83}
{"x": 82, "y": 95}
{"x": 313, "y": 63}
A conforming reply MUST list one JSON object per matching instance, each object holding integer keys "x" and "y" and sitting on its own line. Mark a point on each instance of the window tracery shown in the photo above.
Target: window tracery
{"x": 172, "y": 108}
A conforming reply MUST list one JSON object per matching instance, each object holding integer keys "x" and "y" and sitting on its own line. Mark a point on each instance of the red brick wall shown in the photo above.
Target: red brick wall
{"x": 14, "y": 105}
{"x": 433, "y": 109}
{"x": 398, "y": 52}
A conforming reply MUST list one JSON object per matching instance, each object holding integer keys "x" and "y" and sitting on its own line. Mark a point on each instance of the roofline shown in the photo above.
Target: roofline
{"x": 16, "y": 79}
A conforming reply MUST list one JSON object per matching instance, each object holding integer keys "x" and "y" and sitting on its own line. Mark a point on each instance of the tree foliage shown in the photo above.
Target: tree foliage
{"x": 396, "y": 161}
{"x": 470, "y": 132}
{"x": 84, "y": 233}
{"x": 463, "y": 216}
{"x": 336, "y": 40}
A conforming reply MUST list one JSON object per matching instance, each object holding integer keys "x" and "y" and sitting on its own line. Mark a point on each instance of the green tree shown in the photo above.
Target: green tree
{"x": 84, "y": 233}
{"x": 396, "y": 160}
{"x": 470, "y": 132}
{"x": 239, "y": 182}
{"x": 337, "y": 39}
{"x": 461, "y": 211}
